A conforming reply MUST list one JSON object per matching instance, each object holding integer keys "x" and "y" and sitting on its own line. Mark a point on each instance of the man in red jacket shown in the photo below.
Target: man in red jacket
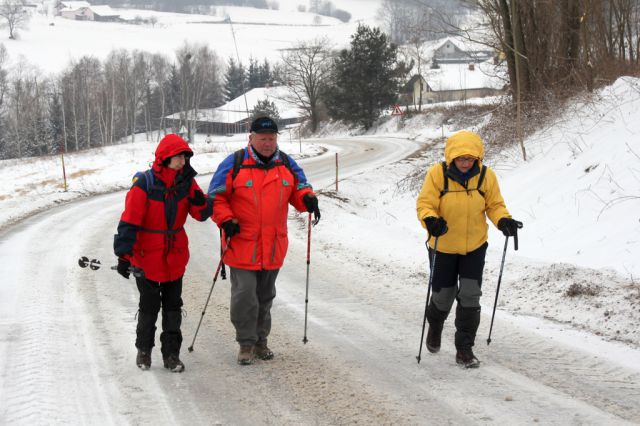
{"x": 251, "y": 203}
{"x": 151, "y": 243}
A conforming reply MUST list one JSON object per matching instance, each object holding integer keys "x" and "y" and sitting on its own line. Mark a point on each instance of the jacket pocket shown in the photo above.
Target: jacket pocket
{"x": 280, "y": 247}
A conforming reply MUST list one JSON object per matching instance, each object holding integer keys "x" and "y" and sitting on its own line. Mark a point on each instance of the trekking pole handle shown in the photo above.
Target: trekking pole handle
{"x": 515, "y": 236}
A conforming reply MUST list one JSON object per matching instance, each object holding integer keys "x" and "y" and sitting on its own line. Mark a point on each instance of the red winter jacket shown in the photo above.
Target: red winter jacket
{"x": 150, "y": 233}
{"x": 259, "y": 199}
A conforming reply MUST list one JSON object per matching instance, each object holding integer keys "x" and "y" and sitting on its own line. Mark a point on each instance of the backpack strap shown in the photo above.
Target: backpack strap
{"x": 481, "y": 179}
{"x": 148, "y": 176}
{"x": 446, "y": 180}
{"x": 286, "y": 161}
{"x": 238, "y": 158}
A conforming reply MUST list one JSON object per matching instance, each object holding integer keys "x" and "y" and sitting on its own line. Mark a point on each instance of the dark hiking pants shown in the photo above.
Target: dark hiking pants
{"x": 252, "y": 294}
{"x": 458, "y": 277}
{"x": 153, "y": 296}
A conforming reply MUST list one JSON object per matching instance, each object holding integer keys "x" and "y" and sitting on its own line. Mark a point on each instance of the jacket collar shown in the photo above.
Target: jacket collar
{"x": 462, "y": 178}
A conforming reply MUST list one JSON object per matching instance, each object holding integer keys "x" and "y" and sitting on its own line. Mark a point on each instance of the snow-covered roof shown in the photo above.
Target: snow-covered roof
{"x": 103, "y": 10}
{"x": 460, "y": 77}
{"x": 235, "y": 110}
{"x": 74, "y": 5}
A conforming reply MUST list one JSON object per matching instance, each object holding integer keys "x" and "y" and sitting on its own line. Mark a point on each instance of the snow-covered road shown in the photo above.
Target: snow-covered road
{"x": 67, "y": 354}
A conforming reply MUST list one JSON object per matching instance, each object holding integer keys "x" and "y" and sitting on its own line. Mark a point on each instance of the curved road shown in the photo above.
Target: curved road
{"x": 67, "y": 355}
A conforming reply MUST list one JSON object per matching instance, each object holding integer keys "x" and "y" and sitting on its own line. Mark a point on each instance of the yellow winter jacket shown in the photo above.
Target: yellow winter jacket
{"x": 465, "y": 210}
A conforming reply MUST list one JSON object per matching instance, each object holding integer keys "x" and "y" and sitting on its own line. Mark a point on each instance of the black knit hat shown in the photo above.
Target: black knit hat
{"x": 264, "y": 125}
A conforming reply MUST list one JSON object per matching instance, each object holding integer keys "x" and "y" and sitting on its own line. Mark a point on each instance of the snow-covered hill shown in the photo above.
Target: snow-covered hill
{"x": 51, "y": 42}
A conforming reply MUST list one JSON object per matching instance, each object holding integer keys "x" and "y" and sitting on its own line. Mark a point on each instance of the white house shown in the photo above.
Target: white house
{"x": 455, "y": 82}
{"x": 456, "y": 51}
{"x": 233, "y": 117}
{"x": 83, "y": 11}
{"x": 70, "y": 6}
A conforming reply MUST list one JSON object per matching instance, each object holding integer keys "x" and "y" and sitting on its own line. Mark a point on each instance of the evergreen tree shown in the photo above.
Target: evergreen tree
{"x": 235, "y": 80}
{"x": 254, "y": 74}
{"x": 366, "y": 78}
{"x": 266, "y": 78}
{"x": 173, "y": 90}
{"x": 263, "y": 108}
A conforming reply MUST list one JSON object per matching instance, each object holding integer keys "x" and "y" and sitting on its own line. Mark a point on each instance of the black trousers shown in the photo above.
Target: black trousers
{"x": 458, "y": 277}
{"x": 153, "y": 296}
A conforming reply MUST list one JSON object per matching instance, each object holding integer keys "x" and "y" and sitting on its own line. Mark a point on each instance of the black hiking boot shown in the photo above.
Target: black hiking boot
{"x": 436, "y": 320}
{"x": 246, "y": 355}
{"x": 465, "y": 358}
{"x": 143, "y": 359}
{"x": 173, "y": 364}
{"x": 433, "y": 337}
{"x": 263, "y": 352}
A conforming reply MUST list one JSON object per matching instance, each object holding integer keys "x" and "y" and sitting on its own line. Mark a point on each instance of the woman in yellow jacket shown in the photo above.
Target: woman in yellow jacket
{"x": 456, "y": 197}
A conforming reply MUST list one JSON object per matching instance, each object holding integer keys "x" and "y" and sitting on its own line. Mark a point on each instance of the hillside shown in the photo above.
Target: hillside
{"x": 51, "y": 42}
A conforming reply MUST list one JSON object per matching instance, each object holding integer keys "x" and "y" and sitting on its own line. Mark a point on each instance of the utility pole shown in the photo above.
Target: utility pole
{"x": 244, "y": 94}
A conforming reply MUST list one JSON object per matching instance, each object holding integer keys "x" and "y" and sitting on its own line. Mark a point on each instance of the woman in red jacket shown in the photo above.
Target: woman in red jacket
{"x": 152, "y": 244}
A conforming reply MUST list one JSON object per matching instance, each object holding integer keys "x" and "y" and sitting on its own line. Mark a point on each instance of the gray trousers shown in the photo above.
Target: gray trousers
{"x": 252, "y": 294}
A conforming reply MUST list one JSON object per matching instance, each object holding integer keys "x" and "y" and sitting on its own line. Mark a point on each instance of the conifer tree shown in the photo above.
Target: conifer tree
{"x": 366, "y": 78}
{"x": 235, "y": 80}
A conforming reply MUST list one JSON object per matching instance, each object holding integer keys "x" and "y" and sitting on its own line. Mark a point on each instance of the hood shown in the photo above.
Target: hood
{"x": 169, "y": 146}
{"x": 463, "y": 143}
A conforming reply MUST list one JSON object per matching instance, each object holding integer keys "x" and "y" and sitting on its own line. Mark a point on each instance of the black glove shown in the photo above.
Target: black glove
{"x": 509, "y": 227}
{"x": 123, "y": 267}
{"x": 436, "y": 226}
{"x": 198, "y": 198}
{"x": 311, "y": 203}
{"x": 230, "y": 228}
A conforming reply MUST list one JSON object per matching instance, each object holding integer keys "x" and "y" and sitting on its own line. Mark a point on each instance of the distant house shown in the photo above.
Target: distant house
{"x": 83, "y": 11}
{"x": 454, "y": 82}
{"x": 102, "y": 14}
{"x": 455, "y": 52}
{"x": 68, "y": 7}
{"x": 232, "y": 117}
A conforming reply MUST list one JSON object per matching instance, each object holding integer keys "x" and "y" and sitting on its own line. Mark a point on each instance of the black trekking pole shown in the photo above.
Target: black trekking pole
{"x": 426, "y": 305}
{"x": 504, "y": 254}
{"x": 306, "y": 295}
{"x": 215, "y": 277}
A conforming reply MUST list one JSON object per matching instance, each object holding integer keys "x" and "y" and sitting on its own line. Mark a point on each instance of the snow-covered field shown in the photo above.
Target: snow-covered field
{"x": 52, "y": 42}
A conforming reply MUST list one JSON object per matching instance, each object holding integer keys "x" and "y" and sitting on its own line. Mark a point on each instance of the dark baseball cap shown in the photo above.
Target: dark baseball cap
{"x": 264, "y": 125}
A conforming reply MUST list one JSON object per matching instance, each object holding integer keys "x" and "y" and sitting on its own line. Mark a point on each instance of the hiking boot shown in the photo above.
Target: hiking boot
{"x": 173, "y": 364}
{"x": 143, "y": 359}
{"x": 245, "y": 356}
{"x": 433, "y": 338}
{"x": 263, "y": 352}
{"x": 465, "y": 358}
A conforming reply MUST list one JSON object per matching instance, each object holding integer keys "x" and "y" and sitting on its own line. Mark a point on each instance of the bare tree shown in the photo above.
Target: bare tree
{"x": 3, "y": 73}
{"x": 15, "y": 15}
{"x": 307, "y": 68}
